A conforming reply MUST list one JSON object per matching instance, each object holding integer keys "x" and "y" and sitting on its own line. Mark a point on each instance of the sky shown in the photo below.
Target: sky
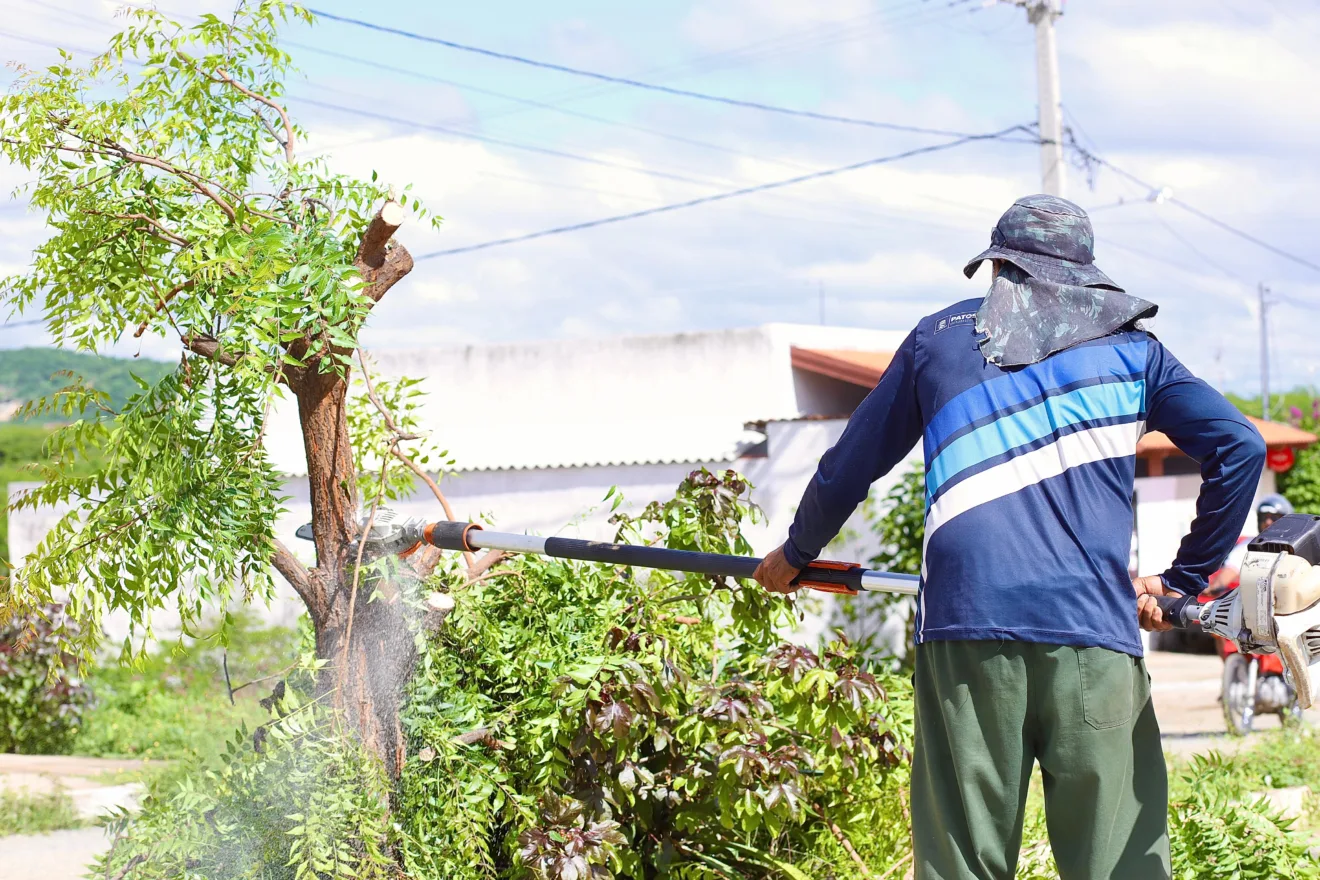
{"x": 1214, "y": 100}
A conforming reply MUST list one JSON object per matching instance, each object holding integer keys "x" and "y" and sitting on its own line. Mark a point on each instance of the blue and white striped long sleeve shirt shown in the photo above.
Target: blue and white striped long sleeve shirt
{"x": 1029, "y": 480}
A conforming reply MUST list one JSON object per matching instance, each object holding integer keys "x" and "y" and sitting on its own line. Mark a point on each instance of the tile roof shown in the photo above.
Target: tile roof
{"x": 856, "y": 367}
{"x": 1276, "y": 436}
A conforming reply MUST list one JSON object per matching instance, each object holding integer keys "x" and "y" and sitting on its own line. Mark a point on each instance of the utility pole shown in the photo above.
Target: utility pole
{"x": 1042, "y": 14}
{"x": 1262, "y": 292}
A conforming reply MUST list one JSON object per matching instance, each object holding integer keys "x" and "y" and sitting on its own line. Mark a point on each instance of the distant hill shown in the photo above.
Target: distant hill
{"x": 26, "y": 373}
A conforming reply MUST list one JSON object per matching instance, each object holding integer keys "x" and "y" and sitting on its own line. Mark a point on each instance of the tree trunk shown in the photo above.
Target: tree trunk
{"x": 331, "y": 476}
{"x": 364, "y": 679}
{"x": 368, "y": 688}
{"x": 369, "y": 644}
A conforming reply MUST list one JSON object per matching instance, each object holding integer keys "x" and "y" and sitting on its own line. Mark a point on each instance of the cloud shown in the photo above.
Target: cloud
{"x": 885, "y": 270}
{"x": 717, "y": 25}
{"x": 1223, "y": 79}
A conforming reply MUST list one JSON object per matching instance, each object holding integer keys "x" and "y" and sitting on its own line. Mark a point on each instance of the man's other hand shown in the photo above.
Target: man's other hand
{"x": 775, "y": 574}
{"x": 1149, "y": 614}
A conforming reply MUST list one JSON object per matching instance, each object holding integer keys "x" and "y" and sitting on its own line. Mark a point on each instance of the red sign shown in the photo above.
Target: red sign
{"x": 1280, "y": 460}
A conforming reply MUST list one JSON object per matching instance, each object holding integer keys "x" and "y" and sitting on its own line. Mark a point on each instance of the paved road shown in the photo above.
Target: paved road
{"x": 60, "y": 855}
{"x": 1185, "y": 688}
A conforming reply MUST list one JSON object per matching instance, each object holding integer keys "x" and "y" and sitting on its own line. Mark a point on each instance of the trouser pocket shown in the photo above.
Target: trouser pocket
{"x": 1108, "y": 687}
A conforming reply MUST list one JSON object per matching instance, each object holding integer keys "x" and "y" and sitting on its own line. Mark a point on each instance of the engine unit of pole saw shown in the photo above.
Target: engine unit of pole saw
{"x": 1276, "y": 607}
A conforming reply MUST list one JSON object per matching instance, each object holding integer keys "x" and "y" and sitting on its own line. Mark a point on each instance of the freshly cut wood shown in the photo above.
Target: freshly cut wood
{"x": 436, "y": 608}
{"x": 379, "y": 232}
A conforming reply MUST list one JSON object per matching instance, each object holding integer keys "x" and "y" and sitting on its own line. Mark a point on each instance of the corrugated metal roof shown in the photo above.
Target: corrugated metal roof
{"x": 1276, "y": 436}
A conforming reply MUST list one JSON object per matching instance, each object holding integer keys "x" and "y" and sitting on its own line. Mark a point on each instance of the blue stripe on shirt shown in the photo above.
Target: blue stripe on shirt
{"x": 1048, "y": 440}
{"x": 1065, "y": 368}
{"x": 1092, "y": 403}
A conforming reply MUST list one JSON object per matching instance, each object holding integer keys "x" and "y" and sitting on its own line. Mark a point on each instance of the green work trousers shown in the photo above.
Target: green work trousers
{"x": 986, "y": 711}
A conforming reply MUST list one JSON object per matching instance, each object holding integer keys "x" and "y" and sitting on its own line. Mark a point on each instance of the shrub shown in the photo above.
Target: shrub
{"x": 576, "y": 721}
{"x": 42, "y": 699}
{"x": 898, "y": 524}
{"x": 1301, "y": 482}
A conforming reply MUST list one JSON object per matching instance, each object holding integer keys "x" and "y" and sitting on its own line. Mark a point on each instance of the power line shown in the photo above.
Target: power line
{"x": 1193, "y": 248}
{"x": 413, "y": 124}
{"x": 1244, "y": 235}
{"x": 719, "y": 197}
{"x": 1088, "y": 156}
{"x": 516, "y": 145}
{"x": 750, "y": 52}
{"x": 620, "y": 80}
{"x": 1297, "y": 303}
{"x": 530, "y": 102}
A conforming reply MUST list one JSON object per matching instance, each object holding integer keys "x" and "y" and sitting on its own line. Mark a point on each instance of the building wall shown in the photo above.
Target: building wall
{"x": 1166, "y": 507}
{"x": 676, "y": 397}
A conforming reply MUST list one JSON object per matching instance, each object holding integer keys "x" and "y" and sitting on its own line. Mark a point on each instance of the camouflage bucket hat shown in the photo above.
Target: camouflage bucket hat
{"x": 1048, "y": 238}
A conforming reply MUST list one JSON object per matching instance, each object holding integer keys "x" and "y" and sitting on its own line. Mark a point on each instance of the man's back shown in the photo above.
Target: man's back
{"x": 1029, "y": 477}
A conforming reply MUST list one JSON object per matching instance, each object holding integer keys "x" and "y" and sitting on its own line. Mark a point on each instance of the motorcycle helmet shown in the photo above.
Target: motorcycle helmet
{"x": 1271, "y": 508}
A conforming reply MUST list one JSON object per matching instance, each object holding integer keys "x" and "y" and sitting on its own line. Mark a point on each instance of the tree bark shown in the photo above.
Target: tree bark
{"x": 369, "y": 643}
{"x": 368, "y": 689}
{"x": 331, "y": 477}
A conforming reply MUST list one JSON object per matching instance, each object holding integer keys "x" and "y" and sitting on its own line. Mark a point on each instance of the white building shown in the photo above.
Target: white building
{"x": 540, "y": 431}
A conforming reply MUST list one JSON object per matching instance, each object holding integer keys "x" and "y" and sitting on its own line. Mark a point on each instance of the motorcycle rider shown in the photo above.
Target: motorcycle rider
{"x": 1270, "y": 509}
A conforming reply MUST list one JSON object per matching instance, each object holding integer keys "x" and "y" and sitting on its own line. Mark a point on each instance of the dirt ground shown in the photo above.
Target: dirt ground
{"x": 1185, "y": 688}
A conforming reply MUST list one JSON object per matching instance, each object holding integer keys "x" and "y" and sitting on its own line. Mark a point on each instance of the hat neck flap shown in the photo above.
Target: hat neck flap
{"x": 1024, "y": 320}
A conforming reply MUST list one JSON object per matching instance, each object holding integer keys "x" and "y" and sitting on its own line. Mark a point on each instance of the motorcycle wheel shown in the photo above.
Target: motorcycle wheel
{"x": 1237, "y": 714}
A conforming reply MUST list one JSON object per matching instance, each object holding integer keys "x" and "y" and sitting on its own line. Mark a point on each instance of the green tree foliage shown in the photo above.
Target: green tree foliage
{"x": 1301, "y": 482}
{"x": 1219, "y": 830}
{"x": 1300, "y": 408}
{"x": 28, "y": 374}
{"x": 573, "y": 721}
{"x": 292, "y": 799}
{"x": 42, "y": 698}
{"x": 1281, "y": 404}
{"x": 179, "y": 207}
{"x": 899, "y": 523}
{"x": 23, "y": 453}
{"x": 153, "y": 179}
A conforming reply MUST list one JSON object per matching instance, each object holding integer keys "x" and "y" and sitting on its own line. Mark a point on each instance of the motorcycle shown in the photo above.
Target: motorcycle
{"x": 1253, "y": 684}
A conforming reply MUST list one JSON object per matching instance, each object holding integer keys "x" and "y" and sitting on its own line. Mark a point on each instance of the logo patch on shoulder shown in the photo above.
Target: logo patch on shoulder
{"x": 955, "y": 321}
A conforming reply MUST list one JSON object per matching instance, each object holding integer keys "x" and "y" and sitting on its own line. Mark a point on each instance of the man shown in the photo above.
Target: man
{"x": 1029, "y": 403}
{"x": 1269, "y": 510}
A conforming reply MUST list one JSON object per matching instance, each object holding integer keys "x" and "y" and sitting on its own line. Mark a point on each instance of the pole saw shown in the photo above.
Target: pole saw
{"x": 1276, "y": 607}
{"x": 392, "y": 535}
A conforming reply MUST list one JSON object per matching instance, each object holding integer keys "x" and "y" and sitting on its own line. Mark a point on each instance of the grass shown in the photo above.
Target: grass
{"x": 22, "y": 812}
{"x": 1279, "y": 759}
{"x": 175, "y": 707}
